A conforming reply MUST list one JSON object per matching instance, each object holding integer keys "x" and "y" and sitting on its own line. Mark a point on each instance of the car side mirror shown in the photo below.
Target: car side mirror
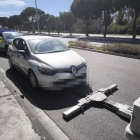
{"x": 22, "y": 52}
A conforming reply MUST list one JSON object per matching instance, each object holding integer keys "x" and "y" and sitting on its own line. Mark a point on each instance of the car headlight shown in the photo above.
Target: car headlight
{"x": 44, "y": 69}
{"x": 84, "y": 61}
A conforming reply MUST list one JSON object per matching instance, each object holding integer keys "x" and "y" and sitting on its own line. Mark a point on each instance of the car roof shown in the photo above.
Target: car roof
{"x": 34, "y": 37}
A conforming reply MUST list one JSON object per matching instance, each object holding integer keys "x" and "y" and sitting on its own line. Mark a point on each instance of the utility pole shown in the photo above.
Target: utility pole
{"x": 37, "y": 17}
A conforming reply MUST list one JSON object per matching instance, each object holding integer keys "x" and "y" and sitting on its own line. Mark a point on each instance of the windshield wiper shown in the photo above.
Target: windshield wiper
{"x": 50, "y": 52}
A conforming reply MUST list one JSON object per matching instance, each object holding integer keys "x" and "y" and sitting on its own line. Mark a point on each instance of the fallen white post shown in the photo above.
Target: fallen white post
{"x": 99, "y": 96}
{"x": 95, "y": 96}
{"x": 132, "y": 131}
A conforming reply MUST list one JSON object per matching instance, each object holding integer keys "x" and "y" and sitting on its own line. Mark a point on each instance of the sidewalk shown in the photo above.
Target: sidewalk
{"x": 14, "y": 124}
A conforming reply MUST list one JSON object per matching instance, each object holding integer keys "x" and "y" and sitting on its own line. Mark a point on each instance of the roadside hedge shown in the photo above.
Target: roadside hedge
{"x": 122, "y": 48}
{"x": 130, "y": 49}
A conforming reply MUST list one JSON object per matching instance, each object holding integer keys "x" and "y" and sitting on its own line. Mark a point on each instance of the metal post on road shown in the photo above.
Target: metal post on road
{"x": 37, "y": 16}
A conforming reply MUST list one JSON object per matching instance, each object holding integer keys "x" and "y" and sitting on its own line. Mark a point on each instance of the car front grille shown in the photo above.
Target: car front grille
{"x": 69, "y": 69}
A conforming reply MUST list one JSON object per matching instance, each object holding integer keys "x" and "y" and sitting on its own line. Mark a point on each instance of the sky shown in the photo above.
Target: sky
{"x": 14, "y": 7}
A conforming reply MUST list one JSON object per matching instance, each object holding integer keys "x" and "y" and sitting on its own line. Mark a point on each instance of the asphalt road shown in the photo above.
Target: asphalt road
{"x": 96, "y": 122}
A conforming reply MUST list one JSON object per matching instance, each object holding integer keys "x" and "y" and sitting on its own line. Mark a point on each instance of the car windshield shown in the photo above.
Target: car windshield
{"x": 11, "y": 35}
{"x": 42, "y": 46}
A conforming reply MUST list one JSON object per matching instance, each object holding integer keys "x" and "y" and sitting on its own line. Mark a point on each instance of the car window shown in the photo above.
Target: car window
{"x": 23, "y": 46}
{"x": 46, "y": 46}
{"x": 11, "y": 35}
{"x": 15, "y": 43}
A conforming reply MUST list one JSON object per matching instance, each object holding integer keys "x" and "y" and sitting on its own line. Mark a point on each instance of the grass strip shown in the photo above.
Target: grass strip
{"x": 130, "y": 49}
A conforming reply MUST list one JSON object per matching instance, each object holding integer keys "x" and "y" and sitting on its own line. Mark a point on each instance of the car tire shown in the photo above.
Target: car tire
{"x": 33, "y": 80}
{"x": 10, "y": 63}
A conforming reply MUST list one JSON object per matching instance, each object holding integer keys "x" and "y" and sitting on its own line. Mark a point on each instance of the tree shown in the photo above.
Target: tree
{"x": 96, "y": 26}
{"x": 28, "y": 14}
{"x": 86, "y": 10}
{"x": 120, "y": 18}
{"x": 58, "y": 24}
{"x": 43, "y": 21}
{"x": 14, "y": 21}
{"x": 79, "y": 26}
{"x": 134, "y": 4}
{"x": 27, "y": 26}
{"x": 109, "y": 7}
{"x": 4, "y": 21}
{"x": 68, "y": 20}
{"x": 129, "y": 13}
{"x": 50, "y": 23}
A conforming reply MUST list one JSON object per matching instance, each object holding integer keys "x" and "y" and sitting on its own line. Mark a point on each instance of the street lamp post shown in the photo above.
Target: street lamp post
{"x": 37, "y": 16}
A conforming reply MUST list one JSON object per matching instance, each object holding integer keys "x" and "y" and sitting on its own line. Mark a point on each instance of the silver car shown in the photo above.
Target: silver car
{"x": 47, "y": 62}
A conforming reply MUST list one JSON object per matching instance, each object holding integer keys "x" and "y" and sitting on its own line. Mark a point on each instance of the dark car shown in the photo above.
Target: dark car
{"x": 6, "y": 39}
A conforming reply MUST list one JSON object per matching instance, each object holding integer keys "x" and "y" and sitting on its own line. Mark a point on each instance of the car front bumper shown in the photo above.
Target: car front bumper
{"x": 59, "y": 80}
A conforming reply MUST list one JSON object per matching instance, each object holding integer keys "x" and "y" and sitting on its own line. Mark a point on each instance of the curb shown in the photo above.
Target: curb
{"x": 105, "y": 52}
{"x": 42, "y": 123}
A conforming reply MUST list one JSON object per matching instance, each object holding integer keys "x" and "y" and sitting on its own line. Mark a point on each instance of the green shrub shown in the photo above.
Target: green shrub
{"x": 116, "y": 48}
{"x": 83, "y": 44}
{"x": 117, "y": 29}
{"x": 122, "y": 48}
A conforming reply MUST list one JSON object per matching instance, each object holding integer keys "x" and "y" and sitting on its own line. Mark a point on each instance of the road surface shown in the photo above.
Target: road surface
{"x": 96, "y": 122}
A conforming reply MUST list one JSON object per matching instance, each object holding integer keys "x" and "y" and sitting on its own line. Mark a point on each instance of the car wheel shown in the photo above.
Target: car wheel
{"x": 33, "y": 80}
{"x": 10, "y": 63}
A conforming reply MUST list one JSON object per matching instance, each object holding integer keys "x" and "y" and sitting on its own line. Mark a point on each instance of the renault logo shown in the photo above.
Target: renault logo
{"x": 73, "y": 69}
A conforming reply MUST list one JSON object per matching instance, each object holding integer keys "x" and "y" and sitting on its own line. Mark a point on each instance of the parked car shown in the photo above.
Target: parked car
{"x": 47, "y": 62}
{"x": 6, "y": 39}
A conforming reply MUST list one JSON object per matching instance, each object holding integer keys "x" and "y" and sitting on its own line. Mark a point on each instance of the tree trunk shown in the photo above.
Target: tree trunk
{"x": 70, "y": 32}
{"x": 105, "y": 31}
{"x": 87, "y": 27}
{"x": 105, "y": 21}
{"x": 32, "y": 25}
{"x": 135, "y": 23}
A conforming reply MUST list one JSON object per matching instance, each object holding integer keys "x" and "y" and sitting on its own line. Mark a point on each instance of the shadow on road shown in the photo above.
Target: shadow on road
{"x": 3, "y": 54}
{"x": 112, "y": 40}
{"x": 53, "y": 100}
{"x": 45, "y": 99}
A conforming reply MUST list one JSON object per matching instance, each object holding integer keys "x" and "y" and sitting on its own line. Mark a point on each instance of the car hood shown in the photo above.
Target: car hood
{"x": 9, "y": 40}
{"x": 60, "y": 60}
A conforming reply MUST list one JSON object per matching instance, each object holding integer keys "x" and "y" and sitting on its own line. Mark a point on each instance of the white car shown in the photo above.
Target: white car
{"x": 47, "y": 62}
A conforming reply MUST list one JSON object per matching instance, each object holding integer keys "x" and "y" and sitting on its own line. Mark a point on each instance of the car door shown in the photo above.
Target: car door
{"x": 1, "y": 41}
{"x": 23, "y": 59}
{"x": 13, "y": 53}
